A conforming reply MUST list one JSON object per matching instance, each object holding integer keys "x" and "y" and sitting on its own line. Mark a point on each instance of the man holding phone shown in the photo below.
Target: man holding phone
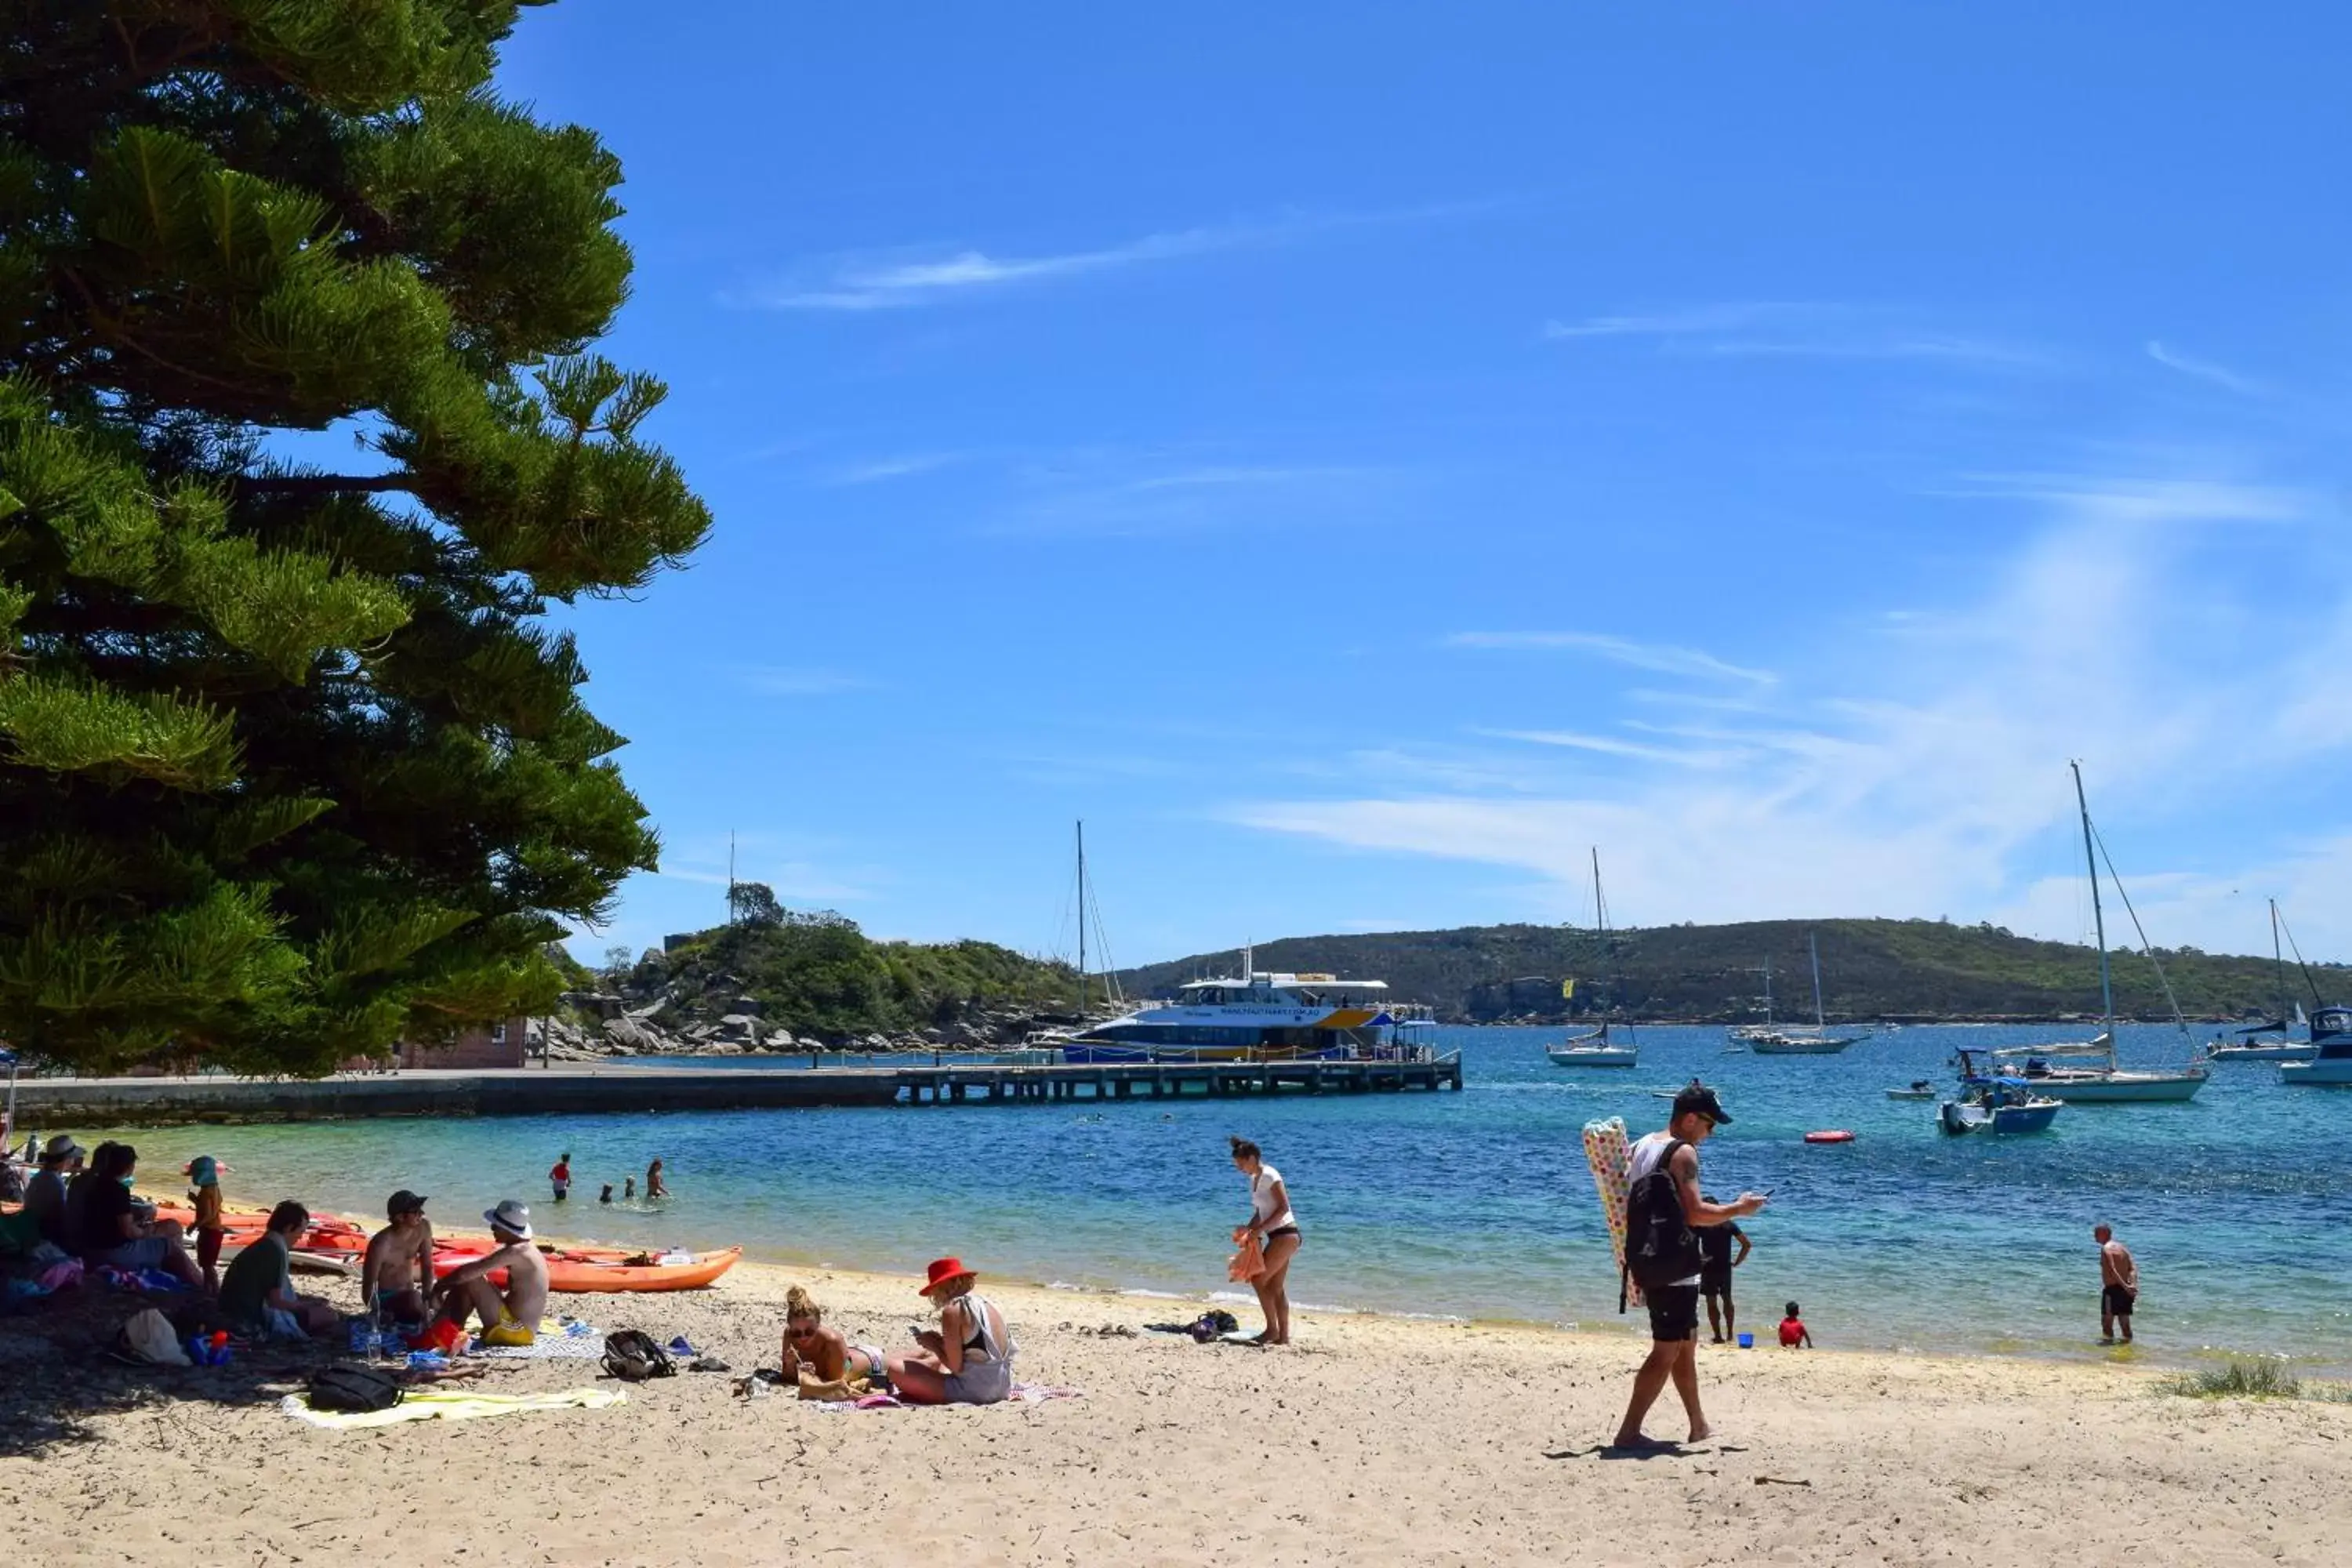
{"x": 1674, "y": 1307}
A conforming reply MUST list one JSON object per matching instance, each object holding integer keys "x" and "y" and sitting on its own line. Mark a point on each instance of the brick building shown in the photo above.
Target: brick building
{"x": 499, "y": 1045}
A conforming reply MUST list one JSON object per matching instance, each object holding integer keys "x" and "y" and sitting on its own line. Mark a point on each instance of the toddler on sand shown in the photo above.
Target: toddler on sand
{"x": 1793, "y": 1333}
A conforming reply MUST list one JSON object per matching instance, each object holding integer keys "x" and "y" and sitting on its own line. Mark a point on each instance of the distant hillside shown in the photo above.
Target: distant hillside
{"x": 1870, "y": 969}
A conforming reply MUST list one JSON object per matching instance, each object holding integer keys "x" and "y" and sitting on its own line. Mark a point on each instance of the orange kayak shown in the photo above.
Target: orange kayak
{"x": 581, "y": 1271}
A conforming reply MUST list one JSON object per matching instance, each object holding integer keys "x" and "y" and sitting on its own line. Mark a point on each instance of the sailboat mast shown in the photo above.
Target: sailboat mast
{"x": 1082, "y": 919}
{"x": 1812, "y": 945}
{"x": 2098, "y": 915}
{"x": 2278, "y": 962}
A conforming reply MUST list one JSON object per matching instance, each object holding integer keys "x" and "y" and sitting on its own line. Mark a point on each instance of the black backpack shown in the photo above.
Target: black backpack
{"x": 634, "y": 1355}
{"x": 354, "y": 1388}
{"x": 1660, "y": 1245}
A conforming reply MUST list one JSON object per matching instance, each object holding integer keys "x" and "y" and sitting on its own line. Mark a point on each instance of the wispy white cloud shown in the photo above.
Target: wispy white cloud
{"x": 1926, "y": 775}
{"x": 871, "y": 284}
{"x": 903, "y": 466}
{"x": 1151, "y": 495}
{"x": 2205, "y": 370}
{"x": 2101, "y": 497}
{"x": 1801, "y": 330}
{"x": 1664, "y": 658}
{"x": 1613, "y": 746}
{"x": 786, "y": 680}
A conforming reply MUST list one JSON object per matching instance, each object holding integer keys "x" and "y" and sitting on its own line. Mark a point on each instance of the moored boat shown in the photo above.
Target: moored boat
{"x": 2249, "y": 1047}
{"x": 1798, "y": 1041}
{"x": 1263, "y": 1016}
{"x": 2331, "y": 1064}
{"x": 1596, "y": 1047}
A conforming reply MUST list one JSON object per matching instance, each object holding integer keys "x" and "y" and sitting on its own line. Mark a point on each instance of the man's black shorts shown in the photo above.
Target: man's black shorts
{"x": 2116, "y": 1301}
{"x": 1716, "y": 1282}
{"x": 1674, "y": 1312}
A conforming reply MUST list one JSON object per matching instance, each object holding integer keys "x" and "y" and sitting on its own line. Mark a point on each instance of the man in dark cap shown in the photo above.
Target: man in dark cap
{"x": 1674, "y": 1305}
{"x": 397, "y": 1272}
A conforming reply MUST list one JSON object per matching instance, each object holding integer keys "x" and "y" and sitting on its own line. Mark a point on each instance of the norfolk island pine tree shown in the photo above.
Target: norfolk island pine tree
{"x": 290, "y": 766}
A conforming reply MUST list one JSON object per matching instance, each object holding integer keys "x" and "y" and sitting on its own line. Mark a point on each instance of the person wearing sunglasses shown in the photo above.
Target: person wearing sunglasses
{"x": 1674, "y": 1307}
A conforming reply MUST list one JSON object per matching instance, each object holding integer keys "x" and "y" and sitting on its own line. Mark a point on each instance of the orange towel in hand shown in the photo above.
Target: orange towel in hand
{"x": 1250, "y": 1261}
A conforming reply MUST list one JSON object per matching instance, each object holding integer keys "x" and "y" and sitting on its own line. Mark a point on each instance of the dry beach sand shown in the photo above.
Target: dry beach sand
{"x": 1371, "y": 1441}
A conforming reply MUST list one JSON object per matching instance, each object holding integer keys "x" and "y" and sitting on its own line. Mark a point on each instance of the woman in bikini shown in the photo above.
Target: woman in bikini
{"x": 1276, "y": 1229}
{"x": 810, "y": 1346}
{"x": 968, "y": 1360}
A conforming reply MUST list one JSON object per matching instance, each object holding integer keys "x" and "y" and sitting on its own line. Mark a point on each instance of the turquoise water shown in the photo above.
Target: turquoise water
{"x": 2238, "y": 1205}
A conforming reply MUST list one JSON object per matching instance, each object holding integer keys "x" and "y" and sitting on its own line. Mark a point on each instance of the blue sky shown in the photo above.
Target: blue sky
{"x": 1361, "y": 456}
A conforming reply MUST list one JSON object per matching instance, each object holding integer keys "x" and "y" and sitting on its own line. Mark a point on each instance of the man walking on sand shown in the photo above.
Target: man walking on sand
{"x": 2119, "y": 1285}
{"x": 1673, "y": 1306}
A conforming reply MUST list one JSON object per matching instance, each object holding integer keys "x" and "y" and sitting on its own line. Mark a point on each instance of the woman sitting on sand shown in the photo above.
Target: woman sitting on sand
{"x": 968, "y": 1360}
{"x": 810, "y": 1347}
{"x": 1276, "y": 1229}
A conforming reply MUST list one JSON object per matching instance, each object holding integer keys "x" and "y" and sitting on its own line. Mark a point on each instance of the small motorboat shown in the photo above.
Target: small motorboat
{"x": 2001, "y": 1108}
{"x": 1920, "y": 1090}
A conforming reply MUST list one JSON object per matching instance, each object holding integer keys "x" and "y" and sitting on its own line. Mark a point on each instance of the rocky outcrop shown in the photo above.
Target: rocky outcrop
{"x": 663, "y": 1030}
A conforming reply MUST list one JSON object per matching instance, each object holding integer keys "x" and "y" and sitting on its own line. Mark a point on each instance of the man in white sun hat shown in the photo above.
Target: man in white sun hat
{"x": 509, "y": 1320}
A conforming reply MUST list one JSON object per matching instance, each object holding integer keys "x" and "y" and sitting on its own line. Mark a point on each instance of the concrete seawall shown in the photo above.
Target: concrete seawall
{"x": 526, "y": 1091}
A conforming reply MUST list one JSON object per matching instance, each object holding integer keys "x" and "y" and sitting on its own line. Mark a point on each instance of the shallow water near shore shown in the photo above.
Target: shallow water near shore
{"x": 2238, "y": 1205}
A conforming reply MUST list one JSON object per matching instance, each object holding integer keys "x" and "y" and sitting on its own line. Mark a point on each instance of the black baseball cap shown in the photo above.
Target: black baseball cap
{"x": 1697, "y": 1096}
{"x": 403, "y": 1202}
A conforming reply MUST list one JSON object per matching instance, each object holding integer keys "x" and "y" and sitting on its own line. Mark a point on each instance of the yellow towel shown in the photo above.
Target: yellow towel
{"x": 454, "y": 1405}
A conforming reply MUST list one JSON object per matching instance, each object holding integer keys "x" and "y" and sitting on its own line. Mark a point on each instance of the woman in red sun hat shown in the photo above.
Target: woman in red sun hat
{"x": 968, "y": 1359}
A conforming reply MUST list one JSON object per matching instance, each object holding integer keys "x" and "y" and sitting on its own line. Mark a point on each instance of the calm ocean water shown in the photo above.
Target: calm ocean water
{"x": 2238, "y": 1205}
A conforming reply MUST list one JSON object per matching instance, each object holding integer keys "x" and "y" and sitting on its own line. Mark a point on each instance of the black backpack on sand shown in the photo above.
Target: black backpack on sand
{"x": 344, "y": 1387}
{"x": 634, "y": 1355}
{"x": 1660, "y": 1245}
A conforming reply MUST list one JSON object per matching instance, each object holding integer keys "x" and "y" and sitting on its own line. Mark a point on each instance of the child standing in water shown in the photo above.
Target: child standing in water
{"x": 560, "y": 1176}
{"x": 205, "y": 1172}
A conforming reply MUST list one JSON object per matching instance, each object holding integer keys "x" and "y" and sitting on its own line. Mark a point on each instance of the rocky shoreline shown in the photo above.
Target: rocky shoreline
{"x": 600, "y": 1026}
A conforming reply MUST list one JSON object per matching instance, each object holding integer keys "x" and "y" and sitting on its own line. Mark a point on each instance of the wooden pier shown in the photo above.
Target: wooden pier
{"x": 1156, "y": 1080}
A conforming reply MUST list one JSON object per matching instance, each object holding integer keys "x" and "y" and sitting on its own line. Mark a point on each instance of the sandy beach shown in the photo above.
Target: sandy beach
{"x": 1372, "y": 1440}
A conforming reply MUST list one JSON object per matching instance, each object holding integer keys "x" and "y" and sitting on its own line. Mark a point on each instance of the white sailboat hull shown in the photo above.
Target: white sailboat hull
{"x": 2122, "y": 1087}
{"x": 1594, "y": 1056}
{"x": 2291, "y": 1052}
{"x": 1801, "y": 1045}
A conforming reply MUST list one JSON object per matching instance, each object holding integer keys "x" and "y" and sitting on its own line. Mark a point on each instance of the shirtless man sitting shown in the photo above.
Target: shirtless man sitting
{"x": 509, "y": 1320}
{"x": 396, "y": 1275}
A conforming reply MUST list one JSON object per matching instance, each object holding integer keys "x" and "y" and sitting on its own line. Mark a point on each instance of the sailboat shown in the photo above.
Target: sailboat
{"x": 1595, "y": 1047}
{"x": 1743, "y": 1033}
{"x": 1816, "y": 1041}
{"x": 2246, "y": 1047}
{"x": 2108, "y": 1083}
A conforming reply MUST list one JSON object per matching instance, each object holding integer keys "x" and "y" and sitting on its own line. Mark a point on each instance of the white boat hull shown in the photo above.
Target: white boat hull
{"x": 2123, "y": 1089}
{"x": 2334, "y": 1072}
{"x": 1765, "y": 1047}
{"x": 2287, "y": 1053}
{"x": 1594, "y": 1056}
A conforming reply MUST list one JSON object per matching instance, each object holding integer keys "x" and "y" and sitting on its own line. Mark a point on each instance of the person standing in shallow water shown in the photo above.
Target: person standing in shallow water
{"x": 2119, "y": 1285}
{"x": 654, "y": 1186}
{"x": 1276, "y": 1229}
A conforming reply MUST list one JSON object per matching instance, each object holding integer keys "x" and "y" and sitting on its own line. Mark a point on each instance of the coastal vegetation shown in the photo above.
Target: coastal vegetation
{"x": 815, "y": 973}
{"x": 1913, "y": 969}
{"x": 2252, "y": 1380}
{"x": 291, "y": 765}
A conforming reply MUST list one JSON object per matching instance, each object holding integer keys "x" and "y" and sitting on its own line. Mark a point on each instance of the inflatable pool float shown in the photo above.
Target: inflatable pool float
{"x": 1832, "y": 1135}
{"x": 1608, "y": 1154}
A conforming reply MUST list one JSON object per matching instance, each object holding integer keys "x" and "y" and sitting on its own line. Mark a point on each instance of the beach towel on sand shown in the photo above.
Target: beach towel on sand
{"x": 554, "y": 1341}
{"x": 1610, "y": 1154}
{"x": 454, "y": 1405}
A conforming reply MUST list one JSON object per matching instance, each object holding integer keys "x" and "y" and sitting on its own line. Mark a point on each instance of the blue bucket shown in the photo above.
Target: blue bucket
{"x": 1747, "y": 1341}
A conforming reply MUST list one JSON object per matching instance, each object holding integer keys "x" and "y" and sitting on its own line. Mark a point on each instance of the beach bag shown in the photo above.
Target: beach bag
{"x": 354, "y": 1388}
{"x": 633, "y": 1355}
{"x": 147, "y": 1339}
{"x": 1660, "y": 1245}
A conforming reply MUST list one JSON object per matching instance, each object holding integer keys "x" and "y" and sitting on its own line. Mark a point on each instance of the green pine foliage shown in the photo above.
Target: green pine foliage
{"x": 290, "y": 766}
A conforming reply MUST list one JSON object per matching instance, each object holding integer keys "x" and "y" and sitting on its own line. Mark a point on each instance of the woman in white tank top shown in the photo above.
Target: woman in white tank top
{"x": 1276, "y": 1228}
